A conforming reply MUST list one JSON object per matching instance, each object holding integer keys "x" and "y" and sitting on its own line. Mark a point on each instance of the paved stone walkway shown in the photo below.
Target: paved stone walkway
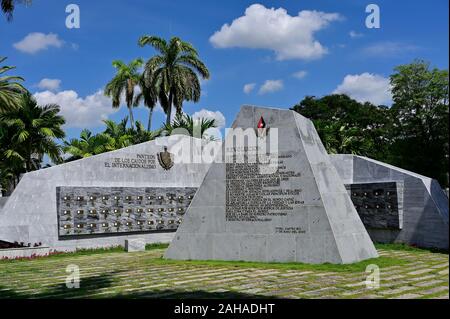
{"x": 145, "y": 275}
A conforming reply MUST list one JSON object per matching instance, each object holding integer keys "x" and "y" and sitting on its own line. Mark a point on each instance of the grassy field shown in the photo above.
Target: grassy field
{"x": 405, "y": 272}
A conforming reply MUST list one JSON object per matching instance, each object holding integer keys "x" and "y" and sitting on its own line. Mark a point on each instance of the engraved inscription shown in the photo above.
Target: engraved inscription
{"x": 144, "y": 161}
{"x": 258, "y": 197}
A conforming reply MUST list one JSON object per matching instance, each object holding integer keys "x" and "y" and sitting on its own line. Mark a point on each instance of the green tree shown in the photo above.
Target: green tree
{"x": 8, "y": 7}
{"x": 124, "y": 82}
{"x": 11, "y": 167}
{"x": 10, "y": 89}
{"x": 141, "y": 135}
{"x": 185, "y": 124}
{"x": 35, "y": 129}
{"x": 119, "y": 133}
{"x": 347, "y": 126}
{"x": 148, "y": 95}
{"x": 114, "y": 137}
{"x": 421, "y": 120}
{"x": 88, "y": 145}
{"x": 174, "y": 71}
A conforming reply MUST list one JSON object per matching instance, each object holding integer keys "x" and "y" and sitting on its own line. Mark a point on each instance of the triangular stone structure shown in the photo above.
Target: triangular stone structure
{"x": 299, "y": 213}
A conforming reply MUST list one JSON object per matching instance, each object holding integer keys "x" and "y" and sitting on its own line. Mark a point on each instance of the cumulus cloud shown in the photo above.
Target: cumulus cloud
{"x": 271, "y": 86}
{"x": 37, "y": 41}
{"x": 366, "y": 87}
{"x": 290, "y": 37}
{"x": 49, "y": 84}
{"x": 249, "y": 87}
{"x": 78, "y": 111}
{"x": 219, "y": 121}
{"x": 215, "y": 115}
{"x": 300, "y": 74}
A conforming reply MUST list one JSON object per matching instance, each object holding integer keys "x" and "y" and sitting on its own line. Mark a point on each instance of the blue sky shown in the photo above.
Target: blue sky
{"x": 267, "y": 46}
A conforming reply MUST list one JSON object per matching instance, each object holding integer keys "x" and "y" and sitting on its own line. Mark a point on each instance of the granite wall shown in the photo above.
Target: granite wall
{"x": 425, "y": 204}
{"x": 31, "y": 213}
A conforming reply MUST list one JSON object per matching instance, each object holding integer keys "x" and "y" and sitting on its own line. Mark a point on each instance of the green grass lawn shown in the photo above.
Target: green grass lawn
{"x": 405, "y": 272}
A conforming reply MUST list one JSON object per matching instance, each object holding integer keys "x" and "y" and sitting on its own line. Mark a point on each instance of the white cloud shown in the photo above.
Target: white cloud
{"x": 79, "y": 112}
{"x": 290, "y": 37}
{"x": 300, "y": 74}
{"x": 37, "y": 41}
{"x": 49, "y": 84}
{"x": 366, "y": 87}
{"x": 271, "y": 86}
{"x": 219, "y": 121}
{"x": 354, "y": 34}
{"x": 217, "y": 116}
{"x": 387, "y": 49}
{"x": 249, "y": 87}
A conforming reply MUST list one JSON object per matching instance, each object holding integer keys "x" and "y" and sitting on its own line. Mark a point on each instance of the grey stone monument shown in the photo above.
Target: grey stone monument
{"x": 300, "y": 212}
{"x": 141, "y": 191}
{"x": 395, "y": 205}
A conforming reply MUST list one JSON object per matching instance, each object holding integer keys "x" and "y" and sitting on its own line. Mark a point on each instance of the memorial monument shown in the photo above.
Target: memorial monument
{"x": 274, "y": 196}
{"x": 139, "y": 192}
{"x": 395, "y": 205}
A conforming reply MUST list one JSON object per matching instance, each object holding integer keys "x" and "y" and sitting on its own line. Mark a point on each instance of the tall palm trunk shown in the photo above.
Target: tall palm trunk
{"x": 150, "y": 114}
{"x": 130, "y": 110}
{"x": 169, "y": 110}
{"x": 129, "y": 98}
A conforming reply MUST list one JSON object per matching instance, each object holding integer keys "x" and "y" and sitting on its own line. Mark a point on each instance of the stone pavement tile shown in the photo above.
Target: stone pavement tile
{"x": 395, "y": 277}
{"x": 420, "y": 271}
{"x": 428, "y": 283}
{"x": 434, "y": 290}
{"x": 421, "y": 278}
{"x": 396, "y": 290}
{"x": 408, "y": 296}
{"x": 440, "y": 266}
{"x": 443, "y": 272}
{"x": 356, "y": 284}
{"x": 356, "y": 292}
{"x": 226, "y": 280}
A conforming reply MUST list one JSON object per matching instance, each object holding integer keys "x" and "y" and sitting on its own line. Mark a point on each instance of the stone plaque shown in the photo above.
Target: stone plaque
{"x": 113, "y": 210}
{"x": 380, "y": 205}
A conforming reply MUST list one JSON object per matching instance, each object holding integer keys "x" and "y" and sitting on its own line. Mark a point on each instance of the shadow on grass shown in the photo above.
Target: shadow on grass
{"x": 88, "y": 286}
{"x": 91, "y": 285}
{"x": 194, "y": 294}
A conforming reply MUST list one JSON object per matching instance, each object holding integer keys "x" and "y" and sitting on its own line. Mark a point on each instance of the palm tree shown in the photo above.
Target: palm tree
{"x": 35, "y": 130}
{"x": 9, "y": 5}
{"x": 114, "y": 137}
{"x": 125, "y": 81}
{"x": 88, "y": 145}
{"x": 10, "y": 167}
{"x": 141, "y": 135}
{"x": 10, "y": 89}
{"x": 185, "y": 123}
{"x": 121, "y": 137}
{"x": 174, "y": 72}
{"x": 149, "y": 95}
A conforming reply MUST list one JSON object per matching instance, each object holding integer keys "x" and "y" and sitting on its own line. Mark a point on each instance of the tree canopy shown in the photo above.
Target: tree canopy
{"x": 412, "y": 134}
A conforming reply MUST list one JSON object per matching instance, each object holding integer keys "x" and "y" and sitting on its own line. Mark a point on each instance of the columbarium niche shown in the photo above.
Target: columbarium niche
{"x": 379, "y": 205}
{"x": 103, "y": 211}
